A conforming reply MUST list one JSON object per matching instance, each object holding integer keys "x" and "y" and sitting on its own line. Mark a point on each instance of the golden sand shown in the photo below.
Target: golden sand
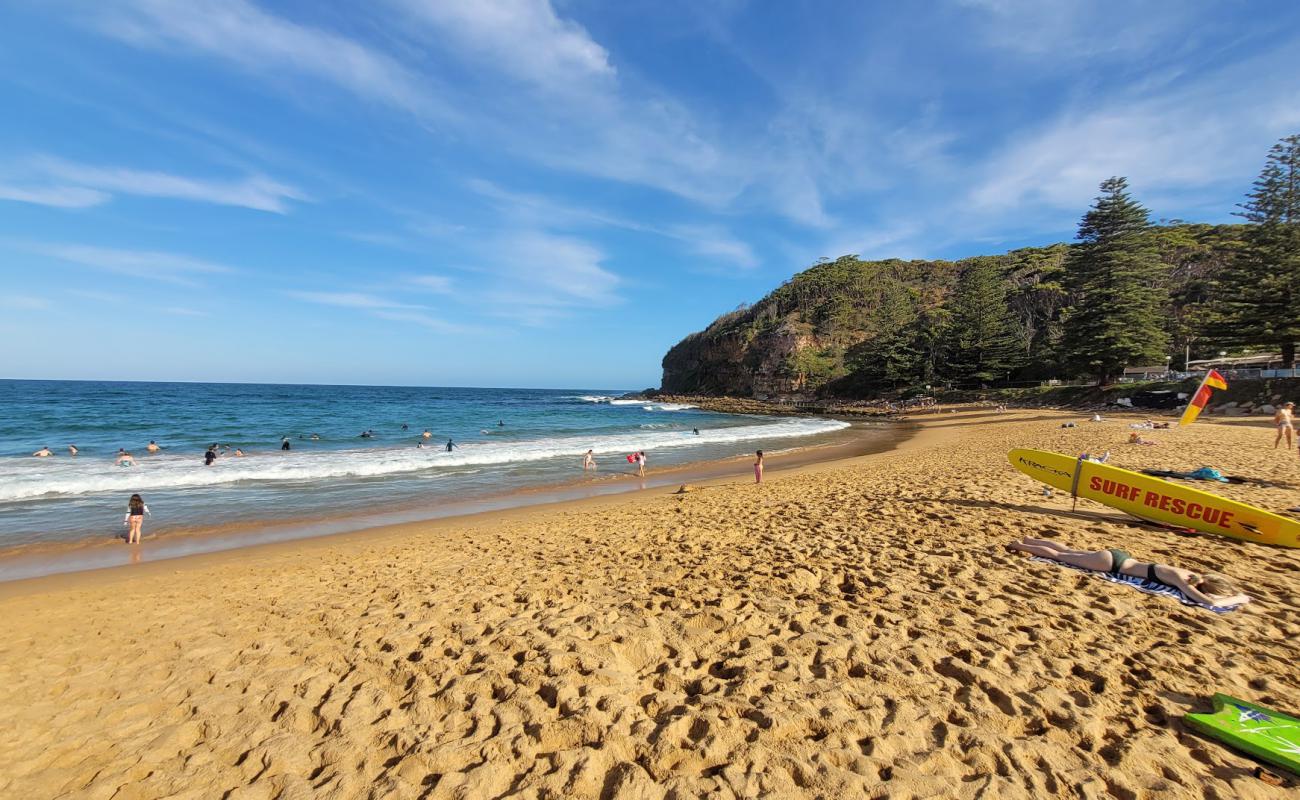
{"x": 853, "y": 629}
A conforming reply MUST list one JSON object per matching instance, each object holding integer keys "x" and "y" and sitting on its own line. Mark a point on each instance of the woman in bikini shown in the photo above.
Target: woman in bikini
{"x": 1211, "y": 589}
{"x": 135, "y": 511}
{"x": 758, "y": 468}
{"x": 1285, "y": 425}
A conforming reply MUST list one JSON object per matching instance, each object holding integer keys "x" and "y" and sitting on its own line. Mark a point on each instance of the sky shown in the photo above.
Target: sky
{"x": 551, "y": 193}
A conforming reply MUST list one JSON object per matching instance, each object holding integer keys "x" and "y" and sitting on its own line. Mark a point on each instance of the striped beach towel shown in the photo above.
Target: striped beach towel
{"x": 1142, "y": 585}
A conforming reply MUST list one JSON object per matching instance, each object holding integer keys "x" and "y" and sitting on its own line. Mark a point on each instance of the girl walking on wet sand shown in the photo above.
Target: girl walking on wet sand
{"x": 134, "y": 518}
{"x": 758, "y": 468}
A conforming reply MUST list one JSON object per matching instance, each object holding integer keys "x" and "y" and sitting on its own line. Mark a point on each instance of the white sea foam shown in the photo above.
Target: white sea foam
{"x": 651, "y": 406}
{"x": 27, "y": 478}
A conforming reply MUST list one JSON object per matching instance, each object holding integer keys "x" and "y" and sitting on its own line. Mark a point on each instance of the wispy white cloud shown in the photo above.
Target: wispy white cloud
{"x": 240, "y": 33}
{"x": 183, "y": 311}
{"x": 150, "y": 264}
{"x": 439, "y": 284}
{"x": 528, "y": 209}
{"x": 54, "y": 196}
{"x": 361, "y": 300}
{"x": 714, "y": 242}
{"x": 23, "y": 302}
{"x": 525, "y": 38}
{"x": 255, "y": 192}
{"x": 382, "y": 308}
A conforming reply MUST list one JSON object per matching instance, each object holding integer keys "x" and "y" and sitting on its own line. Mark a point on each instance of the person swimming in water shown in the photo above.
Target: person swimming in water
{"x": 134, "y": 518}
{"x": 124, "y": 459}
{"x": 44, "y": 452}
{"x": 1209, "y": 589}
{"x": 697, "y": 431}
{"x": 451, "y": 445}
{"x": 427, "y": 435}
{"x": 72, "y": 450}
{"x": 152, "y": 447}
{"x": 501, "y": 423}
{"x": 239, "y": 453}
{"x": 284, "y": 443}
{"x": 210, "y": 457}
{"x": 366, "y": 434}
{"x": 404, "y": 426}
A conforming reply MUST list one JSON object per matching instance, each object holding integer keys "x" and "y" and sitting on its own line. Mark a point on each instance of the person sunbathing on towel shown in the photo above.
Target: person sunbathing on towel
{"x": 1136, "y": 438}
{"x": 1210, "y": 589}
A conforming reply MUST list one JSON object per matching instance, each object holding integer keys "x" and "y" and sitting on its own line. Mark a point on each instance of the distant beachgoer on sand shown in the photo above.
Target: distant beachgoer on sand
{"x": 1211, "y": 589}
{"x": 1136, "y": 438}
{"x": 1285, "y": 424}
{"x": 427, "y": 435}
{"x": 588, "y": 461}
{"x": 1096, "y": 418}
{"x": 640, "y": 463}
{"x": 210, "y": 457}
{"x": 44, "y": 452}
{"x": 72, "y": 450}
{"x": 124, "y": 459}
{"x": 758, "y": 468}
{"x": 152, "y": 447}
{"x": 134, "y": 518}
{"x": 451, "y": 445}
{"x": 284, "y": 443}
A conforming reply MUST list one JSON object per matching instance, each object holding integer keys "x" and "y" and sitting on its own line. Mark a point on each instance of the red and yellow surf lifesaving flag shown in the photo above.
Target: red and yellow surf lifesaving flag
{"x": 1213, "y": 380}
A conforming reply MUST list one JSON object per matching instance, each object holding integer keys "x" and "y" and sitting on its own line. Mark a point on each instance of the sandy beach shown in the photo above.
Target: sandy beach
{"x": 847, "y": 629}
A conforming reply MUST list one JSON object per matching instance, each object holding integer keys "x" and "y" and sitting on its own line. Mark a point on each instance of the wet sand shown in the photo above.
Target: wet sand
{"x": 611, "y": 477}
{"x": 847, "y": 629}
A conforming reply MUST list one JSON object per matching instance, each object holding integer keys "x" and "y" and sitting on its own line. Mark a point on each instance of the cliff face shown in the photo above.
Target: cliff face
{"x": 855, "y": 329}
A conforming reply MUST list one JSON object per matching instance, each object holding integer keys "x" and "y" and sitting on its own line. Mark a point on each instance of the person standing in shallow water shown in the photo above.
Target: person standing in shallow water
{"x": 640, "y": 463}
{"x": 758, "y": 468}
{"x": 588, "y": 461}
{"x": 134, "y": 519}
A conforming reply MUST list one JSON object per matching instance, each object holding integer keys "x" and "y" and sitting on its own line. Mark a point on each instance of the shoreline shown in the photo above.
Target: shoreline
{"x": 32, "y": 562}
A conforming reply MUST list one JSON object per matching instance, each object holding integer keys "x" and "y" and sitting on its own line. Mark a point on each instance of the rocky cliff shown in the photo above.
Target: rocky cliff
{"x": 850, "y": 328}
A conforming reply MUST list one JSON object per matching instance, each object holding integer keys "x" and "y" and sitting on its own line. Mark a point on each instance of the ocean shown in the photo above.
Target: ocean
{"x": 507, "y": 441}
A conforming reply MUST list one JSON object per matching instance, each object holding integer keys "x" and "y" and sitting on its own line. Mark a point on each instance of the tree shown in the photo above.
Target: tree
{"x": 1257, "y": 295}
{"x": 986, "y": 341}
{"x": 1116, "y": 281}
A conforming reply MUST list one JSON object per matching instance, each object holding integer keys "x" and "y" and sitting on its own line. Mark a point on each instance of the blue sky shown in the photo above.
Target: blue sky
{"x": 553, "y": 192}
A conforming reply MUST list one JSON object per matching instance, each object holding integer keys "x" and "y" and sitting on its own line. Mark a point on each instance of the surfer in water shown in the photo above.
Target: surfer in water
{"x": 1285, "y": 424}
{"x": 1209, "y": 589}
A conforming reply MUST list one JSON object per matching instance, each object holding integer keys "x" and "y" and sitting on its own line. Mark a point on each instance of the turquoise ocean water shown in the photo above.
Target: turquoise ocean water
{"x": 507, "y": 440}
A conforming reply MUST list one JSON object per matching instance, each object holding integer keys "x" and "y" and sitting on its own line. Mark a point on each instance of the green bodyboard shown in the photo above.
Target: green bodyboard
{"x": 1261, "y": 732}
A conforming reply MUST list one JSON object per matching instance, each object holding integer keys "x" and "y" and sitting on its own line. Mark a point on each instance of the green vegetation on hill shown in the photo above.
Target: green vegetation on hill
{"x": 1128, "y": 293}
